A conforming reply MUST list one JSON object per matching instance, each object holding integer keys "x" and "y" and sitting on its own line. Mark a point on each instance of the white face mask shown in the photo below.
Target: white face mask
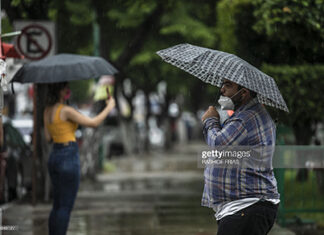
{"x": 226, "y": 103}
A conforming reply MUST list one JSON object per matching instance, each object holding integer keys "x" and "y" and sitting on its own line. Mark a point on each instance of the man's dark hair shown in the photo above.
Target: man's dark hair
{"x": 53, "y": 94}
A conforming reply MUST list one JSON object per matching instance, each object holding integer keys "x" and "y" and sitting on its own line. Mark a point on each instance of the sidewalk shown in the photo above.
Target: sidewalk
{"x": 152, "y": 194}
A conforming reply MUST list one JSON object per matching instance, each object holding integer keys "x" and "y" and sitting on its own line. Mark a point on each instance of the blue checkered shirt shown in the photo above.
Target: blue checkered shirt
{"x": 250, "y": 125}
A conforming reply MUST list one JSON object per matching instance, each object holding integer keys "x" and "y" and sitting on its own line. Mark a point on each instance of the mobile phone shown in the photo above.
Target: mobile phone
{"x": 108, "y": 93}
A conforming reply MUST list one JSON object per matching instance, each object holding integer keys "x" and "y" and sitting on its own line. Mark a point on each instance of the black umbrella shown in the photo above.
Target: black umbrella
{"x": 62, "y": 68}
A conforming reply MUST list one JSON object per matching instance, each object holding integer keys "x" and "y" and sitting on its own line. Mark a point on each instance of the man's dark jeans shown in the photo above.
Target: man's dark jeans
{"x": 256, "y": 219}
{"x": 64, "y": 170}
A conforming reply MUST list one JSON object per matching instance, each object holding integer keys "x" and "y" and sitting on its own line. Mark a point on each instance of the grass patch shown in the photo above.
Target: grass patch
{"x": 109, "y": 167}
{"x": 302, "y": 196}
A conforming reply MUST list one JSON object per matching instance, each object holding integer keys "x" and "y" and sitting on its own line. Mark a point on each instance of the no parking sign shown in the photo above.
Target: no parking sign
{"x": 37, "y": 39}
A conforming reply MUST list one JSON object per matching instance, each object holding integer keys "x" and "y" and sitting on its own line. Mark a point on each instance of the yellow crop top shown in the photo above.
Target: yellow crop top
{"x": 61, "y": 131}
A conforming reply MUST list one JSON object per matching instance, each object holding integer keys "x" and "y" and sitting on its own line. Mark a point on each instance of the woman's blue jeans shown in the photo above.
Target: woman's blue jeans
{"x": 64, "y": 170}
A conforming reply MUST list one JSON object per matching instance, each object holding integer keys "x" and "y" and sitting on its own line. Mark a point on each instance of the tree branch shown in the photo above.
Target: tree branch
{"x": 13, "y": 13}
{"x": 136, "y": 43}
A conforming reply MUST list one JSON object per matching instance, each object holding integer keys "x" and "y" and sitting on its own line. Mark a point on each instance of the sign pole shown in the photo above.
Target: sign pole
{"x": 35, "y": 150}
{"x": 1, "y": 91}
{"x": 0, "y": 221}
{"x": 0, "y": 17}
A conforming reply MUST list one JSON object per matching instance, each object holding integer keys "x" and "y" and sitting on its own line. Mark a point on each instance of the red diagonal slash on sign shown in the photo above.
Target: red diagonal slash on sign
{"x": 24, "y": 33}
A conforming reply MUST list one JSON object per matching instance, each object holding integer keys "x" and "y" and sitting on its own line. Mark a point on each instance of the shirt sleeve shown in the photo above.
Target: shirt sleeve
{"x": 232, "y": 133}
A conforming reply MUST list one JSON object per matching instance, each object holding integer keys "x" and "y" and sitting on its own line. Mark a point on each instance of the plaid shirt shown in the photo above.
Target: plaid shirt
{"x": 250, "y": 125}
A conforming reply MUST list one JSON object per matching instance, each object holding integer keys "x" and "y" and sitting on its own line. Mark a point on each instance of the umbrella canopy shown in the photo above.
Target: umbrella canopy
{"x": 63, "y": 68}
{"x": 212, "y": 66}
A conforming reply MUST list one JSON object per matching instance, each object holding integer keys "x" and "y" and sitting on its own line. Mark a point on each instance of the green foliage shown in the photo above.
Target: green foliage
{"x": 109, "y": 167}
{"x": 81, "y": 90}
{"x": 303, "y": 195}
{"x": 120, "y": 21}
{"x": 275, "y": 16}
{"x": 226, "y": 24}
{"x": 181, "y": 21}
{"x": 236, "y": 35}
{"x": 74, "y": 26}
{"x": 129, "y": 14}
{"x": 52, "y": 14}
{"x": 6, "y": 27}
{"x": 301, "y": 87}
{"x": 260, "y": 32}
{"x": 239, "y": 24}
{"x": 247, "y": 29}
{"x": 15, "y": 3}
{"x": 81, "y": 14}
{"x": 298, "y": 24}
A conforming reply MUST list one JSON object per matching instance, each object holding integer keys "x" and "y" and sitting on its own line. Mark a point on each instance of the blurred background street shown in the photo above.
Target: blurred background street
{"x": 149, "y": 194}
{"x": 139, "y": 171}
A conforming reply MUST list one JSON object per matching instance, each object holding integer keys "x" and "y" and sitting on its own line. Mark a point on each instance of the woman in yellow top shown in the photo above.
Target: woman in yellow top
{"x": 60, "y": 123}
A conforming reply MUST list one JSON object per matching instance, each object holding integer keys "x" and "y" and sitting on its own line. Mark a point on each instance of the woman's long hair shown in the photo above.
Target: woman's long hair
{"x": 54, "y": 90}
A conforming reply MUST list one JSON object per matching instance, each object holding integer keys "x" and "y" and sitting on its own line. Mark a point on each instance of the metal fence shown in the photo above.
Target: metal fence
{"x": 301, "y": 187}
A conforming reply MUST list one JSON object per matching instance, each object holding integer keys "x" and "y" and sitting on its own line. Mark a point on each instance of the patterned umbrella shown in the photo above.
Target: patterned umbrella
{"x": 212, "y": 66}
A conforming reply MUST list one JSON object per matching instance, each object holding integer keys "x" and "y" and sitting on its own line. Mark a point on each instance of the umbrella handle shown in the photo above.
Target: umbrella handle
{"x": 217, "y": 98}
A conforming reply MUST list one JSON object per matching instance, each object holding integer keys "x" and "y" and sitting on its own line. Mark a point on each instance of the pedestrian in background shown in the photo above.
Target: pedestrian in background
{"x": 60, "y": 124}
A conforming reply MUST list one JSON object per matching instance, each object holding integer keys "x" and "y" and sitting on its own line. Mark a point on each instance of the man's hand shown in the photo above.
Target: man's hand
{"x": 211, "y": 112}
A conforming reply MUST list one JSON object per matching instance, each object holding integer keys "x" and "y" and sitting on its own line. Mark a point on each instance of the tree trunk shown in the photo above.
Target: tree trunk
{"x": 137, "y": 42}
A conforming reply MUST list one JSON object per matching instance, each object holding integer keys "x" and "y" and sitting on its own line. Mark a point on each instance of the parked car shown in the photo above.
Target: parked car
{"x": 16, "y": 164}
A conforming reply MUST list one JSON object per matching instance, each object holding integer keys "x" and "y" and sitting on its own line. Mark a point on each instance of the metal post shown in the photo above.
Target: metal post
{"x": 34, "y": 181}
{"x": 96, "y": 35}
{"x": 0, "y": 18}
{"x": 0, "y": 221}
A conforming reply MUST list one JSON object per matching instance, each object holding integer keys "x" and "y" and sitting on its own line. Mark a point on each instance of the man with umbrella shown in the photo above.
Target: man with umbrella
{"x": 248, "y": 208}
{"x": 244, "y": 197}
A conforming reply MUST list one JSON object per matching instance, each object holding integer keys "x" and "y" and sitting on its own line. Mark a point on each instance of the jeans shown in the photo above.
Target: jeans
{"x": 256, "y": 219}
{"x": 64, "y": 171}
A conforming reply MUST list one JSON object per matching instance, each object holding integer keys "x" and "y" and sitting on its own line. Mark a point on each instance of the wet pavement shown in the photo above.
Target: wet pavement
{"x": 152, "y": 194}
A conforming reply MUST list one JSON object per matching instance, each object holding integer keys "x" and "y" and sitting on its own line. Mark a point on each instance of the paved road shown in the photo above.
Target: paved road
{"x": 155, "y": 194}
